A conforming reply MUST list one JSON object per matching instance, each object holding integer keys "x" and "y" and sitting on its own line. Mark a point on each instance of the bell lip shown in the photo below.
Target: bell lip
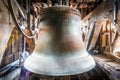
{"x": 88, "y": 59}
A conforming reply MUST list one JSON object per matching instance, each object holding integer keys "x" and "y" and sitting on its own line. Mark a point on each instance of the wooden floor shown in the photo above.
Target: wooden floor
{"x": 111, "y": 65}
{"x": 94, "y": 74}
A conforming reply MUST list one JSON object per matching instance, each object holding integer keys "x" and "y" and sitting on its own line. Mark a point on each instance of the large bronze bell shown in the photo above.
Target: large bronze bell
{"x": 59, "y": 49}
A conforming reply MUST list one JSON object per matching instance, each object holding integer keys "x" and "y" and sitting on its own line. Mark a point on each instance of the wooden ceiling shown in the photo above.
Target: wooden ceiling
{"x": 84, "y": 6}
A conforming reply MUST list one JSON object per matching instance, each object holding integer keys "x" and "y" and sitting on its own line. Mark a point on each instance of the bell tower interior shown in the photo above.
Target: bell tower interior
{"x": 59, "y": 40}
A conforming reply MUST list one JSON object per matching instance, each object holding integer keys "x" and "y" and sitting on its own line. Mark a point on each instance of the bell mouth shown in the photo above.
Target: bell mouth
{"x": 59, "y": 67}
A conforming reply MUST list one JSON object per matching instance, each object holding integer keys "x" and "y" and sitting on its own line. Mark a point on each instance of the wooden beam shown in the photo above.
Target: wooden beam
{"x": 6, "y": 27}
{"x": 87, "y": 17}
{"x": 108, "y": 64}
{"x": 101, "y": 11}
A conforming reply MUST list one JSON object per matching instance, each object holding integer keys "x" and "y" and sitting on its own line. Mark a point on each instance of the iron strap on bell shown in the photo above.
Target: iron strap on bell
{"x": 59, "y": 49}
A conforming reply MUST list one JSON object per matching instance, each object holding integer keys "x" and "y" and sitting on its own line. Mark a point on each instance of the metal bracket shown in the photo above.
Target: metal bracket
{"x": 115, "y": 13}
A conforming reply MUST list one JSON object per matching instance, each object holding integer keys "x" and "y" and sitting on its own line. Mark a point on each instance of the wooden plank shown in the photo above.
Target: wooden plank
{"x": 87, "y": 17}
{"x": 65, "y": 78}
{"x": 102, "y": 11}
{"x": 5, "y": 33}
{"x": 94, "y": 37}
{"x": 5, "y": 29}
{"x": 109, "y": 65}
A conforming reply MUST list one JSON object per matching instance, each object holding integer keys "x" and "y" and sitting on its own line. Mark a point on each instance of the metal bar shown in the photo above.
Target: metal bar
{"x": 28, "y": 12}
{"x": 22, "y": 14}
{"x": 10, "y": 3}
{"x": 115, "y": 13}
